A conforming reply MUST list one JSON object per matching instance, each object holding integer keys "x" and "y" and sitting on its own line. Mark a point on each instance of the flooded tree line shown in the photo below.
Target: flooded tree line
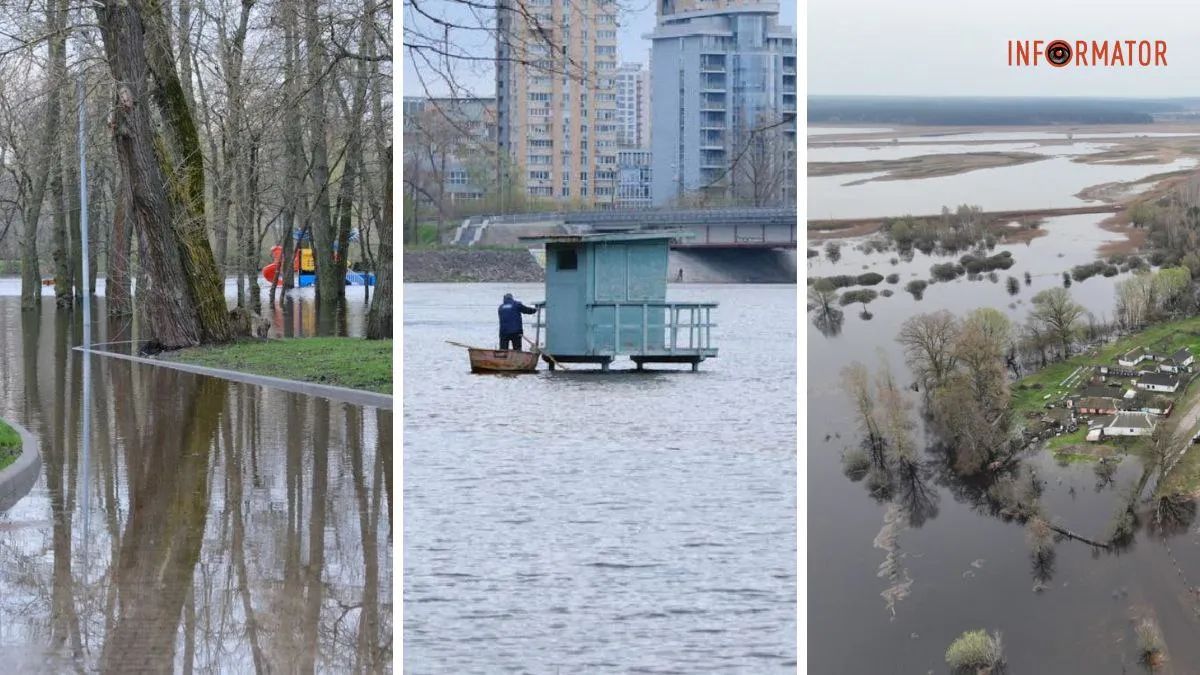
{"x": 976, "y": 446}
{"x": 198, "y": 528}
{"x": 210, "y": 134}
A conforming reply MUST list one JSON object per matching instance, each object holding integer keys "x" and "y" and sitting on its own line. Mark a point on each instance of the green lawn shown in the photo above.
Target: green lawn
{"x": 1029, "y": 392}
{"x": 10, "y": 445}
{"x": 341, "y": 362}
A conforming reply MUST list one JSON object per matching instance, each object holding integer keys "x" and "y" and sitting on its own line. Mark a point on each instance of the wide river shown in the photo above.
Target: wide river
{"x": 891, "y": 583}
{"x": 577, "y": 522}
{"x": 182, "y": 523}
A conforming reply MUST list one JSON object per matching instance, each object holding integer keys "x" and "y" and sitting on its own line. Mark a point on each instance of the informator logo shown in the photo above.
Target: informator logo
{"x": 1088, "y": 53}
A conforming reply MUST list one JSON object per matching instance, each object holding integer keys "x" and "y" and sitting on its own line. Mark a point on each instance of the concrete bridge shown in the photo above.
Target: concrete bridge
{"x": 726, "y": 228}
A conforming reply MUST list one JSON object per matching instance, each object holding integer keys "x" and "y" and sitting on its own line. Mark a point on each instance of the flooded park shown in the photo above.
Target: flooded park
{"x": 186, "y": 523}
{"x": 895, "y": 577}
{"x": 580, "y": 521}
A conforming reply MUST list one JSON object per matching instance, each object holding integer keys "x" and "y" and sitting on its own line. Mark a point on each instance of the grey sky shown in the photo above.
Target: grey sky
{"x": 958, "y": 47}
{"x": 476, "y": 78}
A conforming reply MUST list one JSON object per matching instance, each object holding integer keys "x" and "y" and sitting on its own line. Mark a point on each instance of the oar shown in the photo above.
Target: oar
{"x": 537, "y": 349}
{"x": 459, "y": 344}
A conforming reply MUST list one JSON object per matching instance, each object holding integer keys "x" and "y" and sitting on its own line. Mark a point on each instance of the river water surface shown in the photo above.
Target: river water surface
{"x": 185, "y": 523}
{"x": 892, "y": 583}
{"x": 581, "y": 522}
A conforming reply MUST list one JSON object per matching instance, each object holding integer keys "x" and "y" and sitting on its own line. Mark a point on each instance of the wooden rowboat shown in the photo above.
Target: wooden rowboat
{"x": 500, "y": 360}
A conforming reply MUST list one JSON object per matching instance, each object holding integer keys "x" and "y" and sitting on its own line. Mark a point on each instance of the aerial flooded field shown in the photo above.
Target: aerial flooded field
{"x": 896, "y": 574}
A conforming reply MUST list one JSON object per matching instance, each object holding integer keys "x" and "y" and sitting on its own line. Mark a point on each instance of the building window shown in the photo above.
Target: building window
{"x": 567, "y": 259}
{"x": 456, "y": 177}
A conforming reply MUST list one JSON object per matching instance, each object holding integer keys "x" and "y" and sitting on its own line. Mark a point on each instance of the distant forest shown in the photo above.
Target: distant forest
{"x": 935, "y": 111}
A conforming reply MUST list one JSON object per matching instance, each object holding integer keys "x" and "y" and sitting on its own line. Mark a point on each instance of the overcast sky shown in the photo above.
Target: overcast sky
{"x": 477, "y": 78}
{"x": 958, "y": 47}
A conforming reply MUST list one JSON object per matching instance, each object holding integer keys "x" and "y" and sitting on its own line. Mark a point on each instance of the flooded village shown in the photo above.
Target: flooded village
{"x": 1002, "y": 400}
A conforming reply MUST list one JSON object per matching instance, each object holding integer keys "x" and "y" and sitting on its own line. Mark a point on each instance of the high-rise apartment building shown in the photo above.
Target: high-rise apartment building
{"x": 556, "y": 68}
{"x": 633, "y": 106}
{"x": 447, "y": 144}
{"x": 724, "y": 103}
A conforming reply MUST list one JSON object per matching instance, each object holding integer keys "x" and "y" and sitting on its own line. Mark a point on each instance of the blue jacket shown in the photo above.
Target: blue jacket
{"x": 510, "y": 315}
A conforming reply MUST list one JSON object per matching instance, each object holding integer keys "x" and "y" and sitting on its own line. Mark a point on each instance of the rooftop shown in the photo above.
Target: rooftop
{"x": 1163, "y": 379}
{"x": 1132, "y": 420}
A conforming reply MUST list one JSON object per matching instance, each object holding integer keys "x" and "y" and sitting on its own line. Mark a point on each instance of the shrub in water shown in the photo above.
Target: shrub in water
{"x": 1149, "y": 642}
{"x": 946, "y": 271}
{"x": 975, "y": 649}
{"x": 916, "y": 287}
{"x": 869, "y": 279}
{"x": 893, "y": 278}
{"x": 1121, "y": 527}
{"x": 855, "y": 463}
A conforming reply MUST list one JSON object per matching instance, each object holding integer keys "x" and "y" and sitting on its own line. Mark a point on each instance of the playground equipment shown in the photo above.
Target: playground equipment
{"x": 306, "y": 270}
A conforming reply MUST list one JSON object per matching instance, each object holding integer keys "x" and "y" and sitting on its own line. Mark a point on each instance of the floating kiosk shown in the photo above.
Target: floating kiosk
{"x": 606, "y": 296}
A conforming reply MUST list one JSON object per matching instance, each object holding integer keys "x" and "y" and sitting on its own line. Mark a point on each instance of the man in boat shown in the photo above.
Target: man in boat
{"x": 511, "y": 329}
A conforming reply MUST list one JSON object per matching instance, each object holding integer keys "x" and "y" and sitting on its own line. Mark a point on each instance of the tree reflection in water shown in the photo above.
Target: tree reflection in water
{"x": 233, "y": 529}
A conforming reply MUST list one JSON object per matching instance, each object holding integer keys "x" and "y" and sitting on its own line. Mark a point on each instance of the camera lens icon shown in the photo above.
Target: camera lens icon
{"x": 1058, "y": 53}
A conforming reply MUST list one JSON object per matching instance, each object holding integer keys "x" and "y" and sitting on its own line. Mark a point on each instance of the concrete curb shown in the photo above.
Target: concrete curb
{"x": 18, "y": 478}
{"x": 353, "y": 396}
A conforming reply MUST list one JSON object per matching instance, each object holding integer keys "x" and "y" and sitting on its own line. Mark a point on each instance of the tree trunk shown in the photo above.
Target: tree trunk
{"x": 170, "y": 308}
{"x": 350, "y": 164}
{"x": 253, "y": 216}
{"x": 71, "y": 169}
{"x": 183, "y": 165}
{"x": 329, "y": 287}
{"x": 58, "y": 79}
{"x": 120, "y": 301}
{"x": 31, "y": 276}
{"x": 293, "y": 188}
{"x": 379, "y": 317}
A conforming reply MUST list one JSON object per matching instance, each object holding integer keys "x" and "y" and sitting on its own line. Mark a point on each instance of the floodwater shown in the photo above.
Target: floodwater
{"x": 951, "y": 565}
{"x": 182, "y": 522}
{"x": 583, "y": 522}
{"x": 1049, "y": 183}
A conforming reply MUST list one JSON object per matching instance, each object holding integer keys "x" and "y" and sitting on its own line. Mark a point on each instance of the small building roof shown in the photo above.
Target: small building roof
{"x": 1137, "y": 351}
{"x": 1160, "y": 379}
{"x": 1132, "y": 420}
{"x": 1182, "y": 355}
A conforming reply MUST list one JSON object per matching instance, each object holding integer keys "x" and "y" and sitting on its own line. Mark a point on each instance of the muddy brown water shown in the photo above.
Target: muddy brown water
{"x": 956, "y": 566}
{"x": 200, "y": 524}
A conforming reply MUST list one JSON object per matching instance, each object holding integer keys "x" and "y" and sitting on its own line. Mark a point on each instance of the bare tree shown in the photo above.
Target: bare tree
{"x": 1058, "y": 314}
{"x": 928, "y": 341}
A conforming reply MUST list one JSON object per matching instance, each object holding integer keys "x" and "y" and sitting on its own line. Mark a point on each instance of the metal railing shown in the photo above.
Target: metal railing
{"x": 655, "y": 317}
{"x": 662, "y": 327}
